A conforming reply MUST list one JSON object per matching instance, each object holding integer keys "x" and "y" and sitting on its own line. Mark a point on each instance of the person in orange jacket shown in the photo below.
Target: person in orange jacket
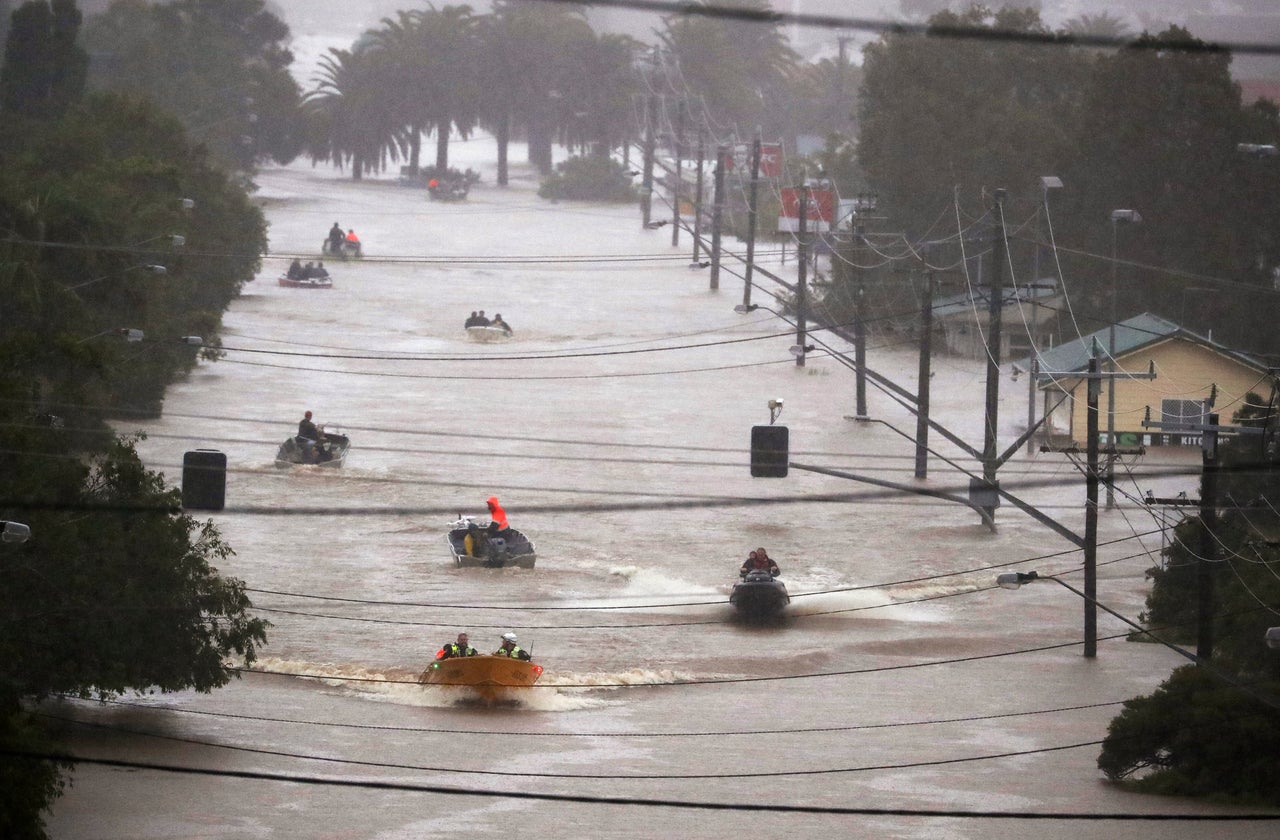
{"x": 497, "y": 514}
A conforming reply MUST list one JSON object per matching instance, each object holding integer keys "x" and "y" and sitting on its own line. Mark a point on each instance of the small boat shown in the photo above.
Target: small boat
{"x": 474, "y": 545}
{"x": 347, "y": 250}
{"x": 492, "y": 677}
{"x": 325, "y": 282}
{"x": 330, "y": 452}
{"x": 759, "y": 595}
{"x": 488, "y": 333}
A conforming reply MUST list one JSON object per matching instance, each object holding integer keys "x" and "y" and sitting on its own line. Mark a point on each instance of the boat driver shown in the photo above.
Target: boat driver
{"x": 759, "y": 560}
{"x": 458, "y": 648}
{"x": 511, "y": 649}
{"x": 308, "y": 435}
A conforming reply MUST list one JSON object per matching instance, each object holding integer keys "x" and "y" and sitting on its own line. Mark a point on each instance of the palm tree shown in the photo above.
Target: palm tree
{"x": 428, "y": 61}
{"x": 735, "y": 66}
{"x": 599, "y": 92}
{"x": 528, "y": 59}
{"x": 348, "y": 116}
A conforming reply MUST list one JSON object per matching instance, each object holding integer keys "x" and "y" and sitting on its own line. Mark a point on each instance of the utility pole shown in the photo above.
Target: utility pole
{"x": 1092, "y": 473}
{"x": 646, "y": 187}
{"x": 751, "y": 218}
{"x": 859, "y": 324}
{"x": 1208, "y": 539}
{"x": 677, "y": 177}
{"x": 717, "y": 215}
{"x": 926, "y": 352}
{"x": 801, "y": 290}
{"x": 697, "y": 202}
{"x": 1090, "y": 548}
{"x": 995, "y": 307}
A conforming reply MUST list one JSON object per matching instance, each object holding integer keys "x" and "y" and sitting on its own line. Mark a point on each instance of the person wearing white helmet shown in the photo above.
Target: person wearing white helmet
{"x": 510, "y": 648}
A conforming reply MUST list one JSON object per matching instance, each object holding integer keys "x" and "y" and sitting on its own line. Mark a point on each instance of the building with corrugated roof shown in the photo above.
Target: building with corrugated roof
{"x": 1194, "y": 377}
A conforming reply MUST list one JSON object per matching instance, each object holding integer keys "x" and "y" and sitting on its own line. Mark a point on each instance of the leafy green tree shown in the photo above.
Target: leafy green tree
{"x": 822, "y": 98}
{"x": 110, "y": 178}
{"x": 589, "y": 178}
{"x": 1157, "y": 130}
{"x": 116, "y": 590}
{"x": 221, "y": 66}
{"x": 943, "y": 119}
{"x": 44, "y": 69}
{"x": 1198, "y": 736}
{"x": 1206, "y": 731}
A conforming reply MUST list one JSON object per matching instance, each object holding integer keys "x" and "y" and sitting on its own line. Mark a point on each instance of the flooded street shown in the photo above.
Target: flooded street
{"x": 614, "y": 426}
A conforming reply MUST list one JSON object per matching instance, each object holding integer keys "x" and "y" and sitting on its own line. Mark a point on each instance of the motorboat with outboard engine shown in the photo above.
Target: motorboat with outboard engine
{"x": 324, "y": 281}
{"x": 488, "y": 333}
{"x": 472, "y": 544}
{"x": 759, "y": 595}
{"x": 329, "y": 452}
{"x": 492, "y": 677}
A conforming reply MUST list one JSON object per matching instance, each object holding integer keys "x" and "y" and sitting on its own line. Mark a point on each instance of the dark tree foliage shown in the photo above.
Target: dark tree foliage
{"x": 946, "y": 119}
{"x": 1202, "y": 733}
{"x": 738, "y": 68}
{"x": 589, "y": 178}
{"x": 111, "y": 177}
{"x": 1243, "y": 574}
{"x": 1198, "y": 736}
{"x": 1155, "y": 127}
{"x": 116, "y": 590}
{"x": 44, "y": 69}
{"x": 220, "y": 66}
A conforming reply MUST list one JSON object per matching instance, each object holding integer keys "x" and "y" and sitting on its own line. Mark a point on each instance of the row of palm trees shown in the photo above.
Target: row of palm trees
{"x": 528, "y": 68}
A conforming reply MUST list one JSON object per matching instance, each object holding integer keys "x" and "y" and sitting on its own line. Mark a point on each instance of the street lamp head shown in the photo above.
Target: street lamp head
{"x": 744, "y": 308}
{"x": 15, "y": 532}
{"x": 1126, "y": 216}
{"x": 1273, "y": 637}
{"x": 1050, "y": 182}
{"x": 1259, "y": 150}
{"x": 1013, "y": 580}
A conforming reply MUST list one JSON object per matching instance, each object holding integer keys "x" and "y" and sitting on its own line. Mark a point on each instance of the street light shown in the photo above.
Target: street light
{"x": 151, "y": 268}
{"x": 1047, "y": 183}
{"x": 1259, "y": 150}
{"x": 1117, "y": 216}
{"x": 14, "y": 532}
{"x": 1013, "y": 580}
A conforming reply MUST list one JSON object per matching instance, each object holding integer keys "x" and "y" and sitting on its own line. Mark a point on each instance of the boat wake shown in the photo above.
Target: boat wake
{"x": 553, "y": 693}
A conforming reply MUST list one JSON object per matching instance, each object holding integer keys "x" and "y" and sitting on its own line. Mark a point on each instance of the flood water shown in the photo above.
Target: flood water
{"x": 614, "y": 427}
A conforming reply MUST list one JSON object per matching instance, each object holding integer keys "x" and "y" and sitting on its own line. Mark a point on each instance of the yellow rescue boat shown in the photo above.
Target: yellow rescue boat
{"x": 492, "y": 677}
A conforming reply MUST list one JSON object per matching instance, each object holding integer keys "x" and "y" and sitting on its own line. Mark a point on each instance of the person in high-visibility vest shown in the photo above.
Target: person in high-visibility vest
{"x": 458, "y": 648}
{"x": 510, "y": 648}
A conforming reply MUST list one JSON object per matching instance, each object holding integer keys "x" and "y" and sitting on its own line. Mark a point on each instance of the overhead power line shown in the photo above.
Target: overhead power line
{"x": 891, "y": 27}
{"x": 772, "y": 807}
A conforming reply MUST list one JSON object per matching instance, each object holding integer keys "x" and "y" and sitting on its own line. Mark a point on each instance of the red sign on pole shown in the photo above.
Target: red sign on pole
{"x": 818, "y": 216}
{"x": 738, "y": 160}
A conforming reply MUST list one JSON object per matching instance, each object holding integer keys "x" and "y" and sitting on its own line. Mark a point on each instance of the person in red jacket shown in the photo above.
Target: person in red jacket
{"x": 497, "y": 515}
{"x": 759, "y": 560}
